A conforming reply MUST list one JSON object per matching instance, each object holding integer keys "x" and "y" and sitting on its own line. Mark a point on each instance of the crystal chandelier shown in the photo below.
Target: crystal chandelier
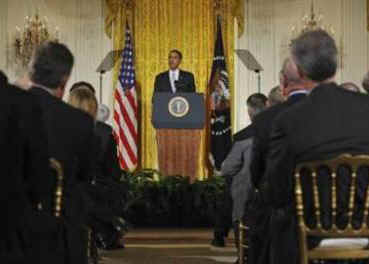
{"x": 311, "y": 22}
{"x": 34, "y": 33}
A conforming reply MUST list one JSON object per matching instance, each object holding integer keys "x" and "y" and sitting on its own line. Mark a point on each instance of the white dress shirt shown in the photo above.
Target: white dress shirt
{"x": 173, "y": 76}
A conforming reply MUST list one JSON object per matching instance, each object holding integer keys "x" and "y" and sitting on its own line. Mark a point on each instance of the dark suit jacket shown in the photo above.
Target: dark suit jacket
{"x": 331, "y": 121}
{"x": 70, "y": 133}
{"x": 262, "y": 127}
{"x": 259, "y": 212}
{"x": 109, "y": 167}
{"x": 185, "y": 83}
{"x": 24, "y": 169}
{"x": 245, "y": 133}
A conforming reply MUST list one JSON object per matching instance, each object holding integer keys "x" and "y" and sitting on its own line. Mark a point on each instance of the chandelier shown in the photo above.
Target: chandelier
{"x": 311, "y": 22}
{"x": 34, "y": 33}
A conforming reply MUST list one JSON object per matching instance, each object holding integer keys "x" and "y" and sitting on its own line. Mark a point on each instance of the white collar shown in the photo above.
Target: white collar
{"x": 175, "y": 71}
{"x": 43, "y": 88}
{"x": 298, "y": 92}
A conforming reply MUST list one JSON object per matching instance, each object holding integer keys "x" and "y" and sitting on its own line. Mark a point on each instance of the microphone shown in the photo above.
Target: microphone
{"x": 179, "y": 84}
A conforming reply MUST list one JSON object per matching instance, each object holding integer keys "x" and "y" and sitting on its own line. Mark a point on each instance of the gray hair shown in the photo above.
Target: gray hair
{"x": 275, "y": 96}
{"x": 103, "y": 113}
{"x": 51, "y": 63}
{"x": 315, "y": 54}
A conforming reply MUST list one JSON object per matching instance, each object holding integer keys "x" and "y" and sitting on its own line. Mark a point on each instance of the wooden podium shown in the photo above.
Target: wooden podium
{"x": 179, "y": 119}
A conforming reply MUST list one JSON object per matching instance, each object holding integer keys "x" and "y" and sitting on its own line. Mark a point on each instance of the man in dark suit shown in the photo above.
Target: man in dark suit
{"x": 234, "y": 167}
{"x": 25, "y": 170}
{"x": 256, "y": 103}
{"x": 329, "y": 122}
{"x": 175, "y": 80}
{"x": 295, "y": 89}
{"x": 70, "y": 133}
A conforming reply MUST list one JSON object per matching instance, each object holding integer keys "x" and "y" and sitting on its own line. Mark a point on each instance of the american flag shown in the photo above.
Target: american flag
{"x": 125, "y": 109}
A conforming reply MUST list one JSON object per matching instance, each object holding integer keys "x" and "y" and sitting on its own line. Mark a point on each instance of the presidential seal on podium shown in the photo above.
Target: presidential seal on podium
{"x": 178, "y": 106}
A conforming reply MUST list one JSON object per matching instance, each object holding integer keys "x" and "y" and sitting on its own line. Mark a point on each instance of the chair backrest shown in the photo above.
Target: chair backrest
{"x": 58, "y": 198}
{"x": 353, "y": 163}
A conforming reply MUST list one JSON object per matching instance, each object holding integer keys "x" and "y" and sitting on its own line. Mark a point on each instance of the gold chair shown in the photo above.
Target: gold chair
{"x": 58, "y": 202}
{"x": 242, "y": 244}
{"x": 58, "y": 199}
{"x": 343, "y": 251}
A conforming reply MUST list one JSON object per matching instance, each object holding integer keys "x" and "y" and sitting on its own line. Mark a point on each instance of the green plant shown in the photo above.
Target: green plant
{"x": 172, "y": 200}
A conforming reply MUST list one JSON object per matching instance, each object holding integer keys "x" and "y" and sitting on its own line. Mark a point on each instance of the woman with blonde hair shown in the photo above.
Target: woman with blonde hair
{"x": 105, "y": 222}
{"x": 82, "y": 98}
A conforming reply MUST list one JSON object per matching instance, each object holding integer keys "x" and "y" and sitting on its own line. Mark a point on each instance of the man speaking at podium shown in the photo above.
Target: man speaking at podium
{"x": 175, "y": 80}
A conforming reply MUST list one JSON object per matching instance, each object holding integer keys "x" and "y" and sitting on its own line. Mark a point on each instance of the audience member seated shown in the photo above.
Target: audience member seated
{"x": 275, "y": 96}
{"x": 258, "y": 215}
{"x": 70, "y": 133}
{"x": 104, "y": 218}
{"x": 107, "y": 157}
{"x": 26, "y": 180}
{"x": 236, "y": 167}
{"x": 319, "y": 127}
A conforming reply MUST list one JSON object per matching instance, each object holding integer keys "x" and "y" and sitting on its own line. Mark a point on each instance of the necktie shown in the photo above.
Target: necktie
{"x": 173, "y": 81}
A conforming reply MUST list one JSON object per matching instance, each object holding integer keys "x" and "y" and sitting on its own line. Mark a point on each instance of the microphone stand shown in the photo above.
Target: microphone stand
{"x": 101, "y": 84}
{"x": 259, "y": 80}
{"x": 106, "y": 65}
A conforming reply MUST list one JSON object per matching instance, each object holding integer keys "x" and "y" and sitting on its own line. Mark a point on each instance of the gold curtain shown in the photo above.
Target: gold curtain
{"x": 160, "y": 26}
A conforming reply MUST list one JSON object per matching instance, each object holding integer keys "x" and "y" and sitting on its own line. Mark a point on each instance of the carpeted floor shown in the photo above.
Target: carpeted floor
{"x": 168, "y": 256}
{"x": 180, "y": 246}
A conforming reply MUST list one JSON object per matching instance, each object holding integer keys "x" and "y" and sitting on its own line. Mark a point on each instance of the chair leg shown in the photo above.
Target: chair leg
{"x": 240, "y": 244}
{"x": 303, "y": 248}
{"x": 94, "y": 251}
{"x": 243, "y": 245}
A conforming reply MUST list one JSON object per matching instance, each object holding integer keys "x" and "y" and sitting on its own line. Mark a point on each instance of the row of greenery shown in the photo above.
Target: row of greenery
{"x": 170, "y": 201}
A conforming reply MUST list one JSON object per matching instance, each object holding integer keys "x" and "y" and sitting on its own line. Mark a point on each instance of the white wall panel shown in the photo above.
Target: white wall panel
{"x": 81, "y": 25}
{"x": 268, "y": 31}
